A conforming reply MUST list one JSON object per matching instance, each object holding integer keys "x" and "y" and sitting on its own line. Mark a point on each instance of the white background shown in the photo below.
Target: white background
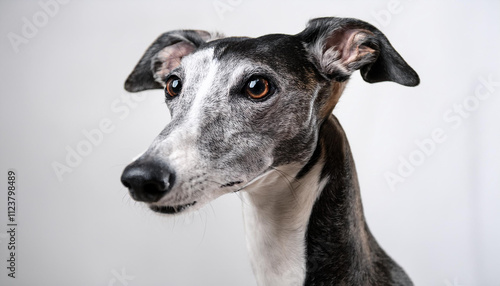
{"x": 441, "y": 223}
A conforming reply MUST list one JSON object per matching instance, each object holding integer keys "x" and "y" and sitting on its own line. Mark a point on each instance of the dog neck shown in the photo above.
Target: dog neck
{"x": 310, "y": 228}
{"x": 276, "y": 213}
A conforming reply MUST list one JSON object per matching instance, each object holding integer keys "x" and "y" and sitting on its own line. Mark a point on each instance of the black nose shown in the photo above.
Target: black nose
{"x": 148, "y": 180}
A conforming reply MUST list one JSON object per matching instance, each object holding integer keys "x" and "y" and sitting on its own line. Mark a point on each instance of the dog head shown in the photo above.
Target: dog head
{"x": 242, "y": 107}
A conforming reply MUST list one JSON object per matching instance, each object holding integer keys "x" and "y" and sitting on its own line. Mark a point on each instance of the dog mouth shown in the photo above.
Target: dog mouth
{"x": 171, "y": 209}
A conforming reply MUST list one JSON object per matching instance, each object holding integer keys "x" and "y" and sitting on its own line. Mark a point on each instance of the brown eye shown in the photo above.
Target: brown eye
{"x": 173, "y": 87}
{"x": 257, "y": 87}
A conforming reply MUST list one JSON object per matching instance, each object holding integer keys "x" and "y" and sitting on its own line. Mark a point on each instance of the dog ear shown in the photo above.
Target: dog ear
{"x": 164, "y": 55}
{"x": 339, "y": 46}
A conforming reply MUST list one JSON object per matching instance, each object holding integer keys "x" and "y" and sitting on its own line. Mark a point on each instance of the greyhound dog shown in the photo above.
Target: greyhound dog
{"x": 255, "y": 115}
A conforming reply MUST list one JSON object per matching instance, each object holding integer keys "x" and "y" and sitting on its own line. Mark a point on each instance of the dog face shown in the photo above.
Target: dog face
{"x": 243, "y": 107}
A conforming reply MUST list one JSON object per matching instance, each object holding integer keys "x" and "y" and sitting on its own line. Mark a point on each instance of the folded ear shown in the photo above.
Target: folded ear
{"x": 339, "y": 46}
{"x": 164, "y": 55}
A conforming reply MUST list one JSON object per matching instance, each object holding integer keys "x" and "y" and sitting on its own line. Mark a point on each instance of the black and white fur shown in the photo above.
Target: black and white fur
{"x": 287, "y": 152}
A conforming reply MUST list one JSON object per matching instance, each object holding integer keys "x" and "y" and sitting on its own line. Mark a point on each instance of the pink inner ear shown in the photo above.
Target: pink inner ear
{"x": 348, "y": 44}
{"x": 169, "y": 58}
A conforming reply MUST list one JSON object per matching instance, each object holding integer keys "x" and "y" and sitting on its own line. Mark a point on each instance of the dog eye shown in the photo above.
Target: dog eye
{"x": 173, "y": 87}
{"x": 257, "y": 87}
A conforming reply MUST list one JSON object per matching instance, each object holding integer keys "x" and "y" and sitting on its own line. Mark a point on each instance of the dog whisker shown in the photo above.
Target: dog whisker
{"x": 289, "y": 182}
